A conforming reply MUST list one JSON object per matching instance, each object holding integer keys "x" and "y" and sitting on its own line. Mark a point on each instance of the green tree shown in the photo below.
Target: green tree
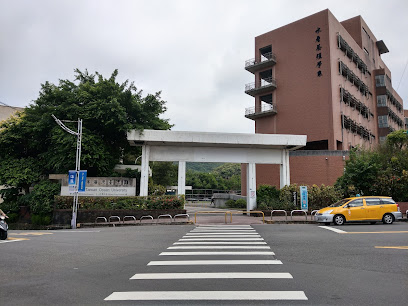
{"x": 164, "y": 173}
{"x": 33, "y": 145}
{"x": 381, "y": 171}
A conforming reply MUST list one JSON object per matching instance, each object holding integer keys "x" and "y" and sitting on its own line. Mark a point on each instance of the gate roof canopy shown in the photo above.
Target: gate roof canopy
{"x": 214, "y": 139}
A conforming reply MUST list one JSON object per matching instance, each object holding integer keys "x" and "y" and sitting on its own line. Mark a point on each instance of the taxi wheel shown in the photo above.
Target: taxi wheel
{"x": 339, "y": 220}
{"x": 388, "y": 219}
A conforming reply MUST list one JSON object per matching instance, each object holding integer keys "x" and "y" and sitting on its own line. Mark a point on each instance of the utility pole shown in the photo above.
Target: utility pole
{"x": 77, "y": 163}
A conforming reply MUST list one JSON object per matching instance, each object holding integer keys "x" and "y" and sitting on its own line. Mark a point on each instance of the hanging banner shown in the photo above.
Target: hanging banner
{"x": 303, "y": 198}
{"x": 82, "y": 180}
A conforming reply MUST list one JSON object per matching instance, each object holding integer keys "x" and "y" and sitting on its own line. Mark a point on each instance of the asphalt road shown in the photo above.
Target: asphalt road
{"x": 310, "y": 265}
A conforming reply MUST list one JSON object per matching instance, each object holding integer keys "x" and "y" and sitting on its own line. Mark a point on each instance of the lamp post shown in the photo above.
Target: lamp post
{"x": 77, "y": 163}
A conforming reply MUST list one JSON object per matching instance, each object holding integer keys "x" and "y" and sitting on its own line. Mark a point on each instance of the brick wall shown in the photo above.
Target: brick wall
{"x": 304, "y": 170}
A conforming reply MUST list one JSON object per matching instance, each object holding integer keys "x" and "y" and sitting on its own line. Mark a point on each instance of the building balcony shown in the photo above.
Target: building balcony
{"x": 259, "y": 112}
{"x": 266, "y": 85}
{"x": 267, "y": 60}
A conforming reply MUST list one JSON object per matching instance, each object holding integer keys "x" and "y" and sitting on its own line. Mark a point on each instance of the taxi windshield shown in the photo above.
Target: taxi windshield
{"x": 340, "y": 203}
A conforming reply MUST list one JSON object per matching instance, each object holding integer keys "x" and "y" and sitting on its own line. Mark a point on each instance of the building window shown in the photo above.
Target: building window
{"x": 366, "y": 51}
{"x": 379, "y": 80}
{"x": 365, "y": 31}
{"x": 383, "y": 121}
{"x": 382, "y": 100}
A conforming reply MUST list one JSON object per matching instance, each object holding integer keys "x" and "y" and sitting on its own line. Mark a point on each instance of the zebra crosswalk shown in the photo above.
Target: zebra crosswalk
{"x": 228, "y": 249}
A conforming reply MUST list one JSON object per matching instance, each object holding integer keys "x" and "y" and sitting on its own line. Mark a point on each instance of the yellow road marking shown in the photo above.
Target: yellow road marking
{"x": 32, "y": 234}
{"x": 392, "y": 247}
{"x": 20, "y": 239}
{"x": 386, "y": 232}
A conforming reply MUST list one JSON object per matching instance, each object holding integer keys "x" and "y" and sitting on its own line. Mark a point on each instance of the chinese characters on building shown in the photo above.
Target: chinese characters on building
{"x": 318, "y": 52}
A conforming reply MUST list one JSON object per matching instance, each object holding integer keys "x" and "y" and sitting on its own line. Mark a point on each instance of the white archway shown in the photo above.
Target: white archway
{"x": 182, "y": 147}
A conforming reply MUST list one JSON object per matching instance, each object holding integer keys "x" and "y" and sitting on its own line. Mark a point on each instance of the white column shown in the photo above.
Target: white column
{"x": 284, "y": 169}
{"x": 251, "y": 186}
{"x": 144, "y": 176}
{"x": 287, "y": 168}
{"x": 181, "y": 187}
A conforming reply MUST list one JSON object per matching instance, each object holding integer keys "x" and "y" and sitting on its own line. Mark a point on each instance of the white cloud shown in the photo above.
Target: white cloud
{"x": 193, "y": 51}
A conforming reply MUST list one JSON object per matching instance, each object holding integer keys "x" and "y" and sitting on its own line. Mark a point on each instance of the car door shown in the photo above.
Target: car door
{"x": 374, "y": 208}
{"x": 356, "y": 210}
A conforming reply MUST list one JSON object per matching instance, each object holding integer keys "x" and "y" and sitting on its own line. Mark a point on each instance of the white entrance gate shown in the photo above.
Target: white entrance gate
{"x": 182, "y": 147}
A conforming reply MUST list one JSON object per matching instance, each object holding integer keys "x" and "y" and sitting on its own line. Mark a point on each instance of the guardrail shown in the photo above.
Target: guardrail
{"x": 313, "y": 213}
{"x": 297, "y": 210}
{"x": 280, "y": 210}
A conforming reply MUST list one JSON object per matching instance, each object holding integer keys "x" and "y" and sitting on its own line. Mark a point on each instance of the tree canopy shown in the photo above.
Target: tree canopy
{"x": 383, "y": 171}
{"x": 33, "y": 145}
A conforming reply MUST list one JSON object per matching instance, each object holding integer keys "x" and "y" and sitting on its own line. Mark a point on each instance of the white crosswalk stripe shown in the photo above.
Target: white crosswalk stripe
{"x": 213, "y": 262}
{"x": 220, "y": 242}
{"x": 216, "y": 253}
{"x": 214, "y": 275}
{"x": 218, "y": 247}
{"x": 212, "y": 242}
{"x": 206, "y": 295}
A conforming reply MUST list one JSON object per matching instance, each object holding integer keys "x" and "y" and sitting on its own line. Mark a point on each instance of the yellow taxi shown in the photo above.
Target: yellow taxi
{"x": 368, "y": 209}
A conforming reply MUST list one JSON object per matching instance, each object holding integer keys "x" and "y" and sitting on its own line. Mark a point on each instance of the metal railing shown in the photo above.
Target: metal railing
{"x": 146, "y": 217}
{"x": 181, "y": 216}
{"x": 280, "y": 210}
{"x": 164, "y": 216}
{"x": 114, "y": 217}
{"x": 264, "y": 58}
{"x": 101, "y": 218}
{"x": 257, "y": 110}
{"x": 129, "y": 217}
{"x": 264, "y": 83}
{"x": 297, "y": 210}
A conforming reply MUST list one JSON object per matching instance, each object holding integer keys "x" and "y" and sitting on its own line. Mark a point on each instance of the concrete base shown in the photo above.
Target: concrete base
{"x": 221, "y": 198}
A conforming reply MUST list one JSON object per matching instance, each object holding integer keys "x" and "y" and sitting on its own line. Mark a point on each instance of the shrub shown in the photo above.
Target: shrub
{"x": 12, "y": 217}
{"x": 266, "y": 194}
{"x": 41, "y": 219}
{"x": 230, "y": 203}
{"x": 41, "y": 199}
{"x": 240, "y": 203}
{"x": 130, "y": 203}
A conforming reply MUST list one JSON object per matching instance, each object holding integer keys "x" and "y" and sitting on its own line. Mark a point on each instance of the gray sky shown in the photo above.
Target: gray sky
{"x": 193, "y": 51}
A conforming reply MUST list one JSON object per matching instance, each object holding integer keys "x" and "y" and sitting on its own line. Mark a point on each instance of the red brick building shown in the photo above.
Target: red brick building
{"x": 326, "y": 79}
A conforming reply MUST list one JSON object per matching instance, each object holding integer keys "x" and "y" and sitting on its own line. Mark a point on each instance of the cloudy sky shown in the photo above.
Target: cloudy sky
{"x": 192, "y": 50}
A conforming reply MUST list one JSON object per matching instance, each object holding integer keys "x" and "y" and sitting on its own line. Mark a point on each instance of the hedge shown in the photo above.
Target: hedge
{"x": 131, "y": 203}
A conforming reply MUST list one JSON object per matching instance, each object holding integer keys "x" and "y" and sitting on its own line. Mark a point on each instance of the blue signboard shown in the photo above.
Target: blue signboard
{"x": 303, "y": 198}
{"x": 71, "y": 177}
{"x": 82, "y": 180}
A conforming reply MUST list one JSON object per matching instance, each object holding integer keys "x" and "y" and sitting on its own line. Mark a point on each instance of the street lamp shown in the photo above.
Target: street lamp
{"x": 77, "y": 163}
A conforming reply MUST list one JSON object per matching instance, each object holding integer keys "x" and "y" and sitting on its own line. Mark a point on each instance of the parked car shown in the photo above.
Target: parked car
{"x": 368, "y": 209}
